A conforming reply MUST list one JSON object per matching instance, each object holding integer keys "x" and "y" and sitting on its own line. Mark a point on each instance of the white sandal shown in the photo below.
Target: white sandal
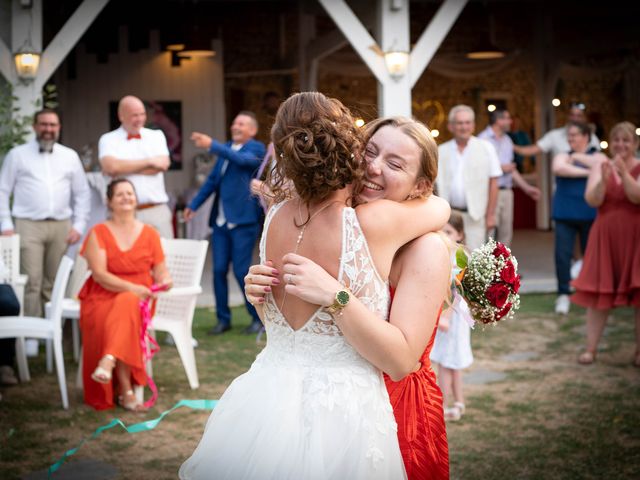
{"x": 454, "y": 413}
{"x": 101, "y": 374}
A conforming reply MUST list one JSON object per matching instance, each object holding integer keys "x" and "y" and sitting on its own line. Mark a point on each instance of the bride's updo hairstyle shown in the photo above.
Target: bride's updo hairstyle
{"x": 421, "y": 135}
{"x": 317, "y": 148}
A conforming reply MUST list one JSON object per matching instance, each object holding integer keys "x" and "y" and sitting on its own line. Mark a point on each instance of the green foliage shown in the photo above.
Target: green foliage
{"x": 13, "y": 128}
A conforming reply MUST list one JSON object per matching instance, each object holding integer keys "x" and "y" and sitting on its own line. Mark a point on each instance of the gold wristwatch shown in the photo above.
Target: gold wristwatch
{"x": 340, "y": 301}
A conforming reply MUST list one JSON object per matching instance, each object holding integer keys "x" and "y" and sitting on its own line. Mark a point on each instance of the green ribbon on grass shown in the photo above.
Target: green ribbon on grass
{"x": 135, "y": 428}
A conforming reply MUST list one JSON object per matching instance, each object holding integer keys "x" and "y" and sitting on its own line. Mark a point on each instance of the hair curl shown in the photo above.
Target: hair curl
{"x": 317, "y": 148}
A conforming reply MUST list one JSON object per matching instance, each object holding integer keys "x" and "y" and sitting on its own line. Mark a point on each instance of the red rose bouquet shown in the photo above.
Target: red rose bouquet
{"x": 489, "y": 282}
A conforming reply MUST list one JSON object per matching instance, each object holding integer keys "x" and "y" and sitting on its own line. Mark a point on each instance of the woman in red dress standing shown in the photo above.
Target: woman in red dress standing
{"x": 610, "y": 275}
{"x": 419, "y": 282}
{"x": 125, "y": 258}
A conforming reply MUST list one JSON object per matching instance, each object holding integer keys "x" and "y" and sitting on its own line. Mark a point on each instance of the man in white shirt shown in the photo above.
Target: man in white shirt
{"x": 141, "y": 155}
{"x": 468, "y": 172}
{"x": 555, "y": 141}
{"x": 496, "y": 135}
{"x": 49, "y": 187}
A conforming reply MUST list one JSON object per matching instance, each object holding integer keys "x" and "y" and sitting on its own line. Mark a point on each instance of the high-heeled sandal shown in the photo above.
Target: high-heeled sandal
{"x": 586, "y": 358}
{"x": 128, "y": 401}
{"x": 102, "y": 374}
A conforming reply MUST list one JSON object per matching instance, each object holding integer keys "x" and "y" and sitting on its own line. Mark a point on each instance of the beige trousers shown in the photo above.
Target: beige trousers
{"x": 159, "y": 217}
{"x": 475, "y": 231}
{"x": 42, "y": 245}
{"x": 504, "y": 217}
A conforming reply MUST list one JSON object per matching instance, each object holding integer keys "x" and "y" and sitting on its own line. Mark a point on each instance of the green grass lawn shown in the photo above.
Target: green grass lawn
{"x": 548, "y": 418}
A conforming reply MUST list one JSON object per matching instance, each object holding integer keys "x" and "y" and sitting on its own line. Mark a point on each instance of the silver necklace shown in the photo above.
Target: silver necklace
{"x": 301, "y": 235}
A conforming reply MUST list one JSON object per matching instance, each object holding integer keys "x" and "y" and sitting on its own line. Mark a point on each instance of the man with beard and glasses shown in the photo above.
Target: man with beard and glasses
{"x": 51, "y": 201}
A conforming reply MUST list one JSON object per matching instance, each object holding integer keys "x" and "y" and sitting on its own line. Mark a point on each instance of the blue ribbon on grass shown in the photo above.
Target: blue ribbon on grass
{"x": 135, "y": 428}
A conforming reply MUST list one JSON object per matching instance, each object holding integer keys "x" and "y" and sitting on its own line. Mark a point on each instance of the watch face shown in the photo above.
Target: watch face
{"x": 342, "y": 297}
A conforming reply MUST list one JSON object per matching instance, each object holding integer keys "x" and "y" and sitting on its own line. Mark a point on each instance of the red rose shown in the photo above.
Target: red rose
{"x": 501, "y": 250}
{"x": 497, "y": 294}
{"x": 508, "y": 273}
{"x": 516, "y": 284}
{"x": 503, "y": 312}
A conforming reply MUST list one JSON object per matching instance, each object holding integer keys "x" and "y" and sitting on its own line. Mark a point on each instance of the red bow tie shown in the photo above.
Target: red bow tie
{"x": 131, "y": 135}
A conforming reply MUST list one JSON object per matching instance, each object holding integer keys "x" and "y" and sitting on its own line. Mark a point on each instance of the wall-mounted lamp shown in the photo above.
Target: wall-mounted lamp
{"x": 27, "y": 61}
{"x": 397, "y": 63}
{"x": 180, "y": 51}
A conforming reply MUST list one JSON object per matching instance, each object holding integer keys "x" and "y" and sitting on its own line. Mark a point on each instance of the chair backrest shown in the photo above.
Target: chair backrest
{"x": 59, "y": 287}
{"x": 185, "y": 260}
{"x": 79, "y": 275}
{"x": 10, "y": 253}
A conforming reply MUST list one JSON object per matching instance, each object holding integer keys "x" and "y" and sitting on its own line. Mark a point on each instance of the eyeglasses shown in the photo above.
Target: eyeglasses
{"x": 578, "y": 105}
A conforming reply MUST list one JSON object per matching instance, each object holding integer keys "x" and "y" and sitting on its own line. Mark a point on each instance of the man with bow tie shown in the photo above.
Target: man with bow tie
{"x": 51, "y": 201}
{"x": 140, "y": 155}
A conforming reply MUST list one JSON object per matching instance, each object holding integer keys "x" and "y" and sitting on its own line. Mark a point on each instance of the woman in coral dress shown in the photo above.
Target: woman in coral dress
{"x": 125, "y": 258}
{"x": 418, "y": 283}
{"x": 610, "y": 275}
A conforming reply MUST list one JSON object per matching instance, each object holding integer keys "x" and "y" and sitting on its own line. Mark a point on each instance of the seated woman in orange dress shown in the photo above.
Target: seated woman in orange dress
{"x": 125, "y": 258}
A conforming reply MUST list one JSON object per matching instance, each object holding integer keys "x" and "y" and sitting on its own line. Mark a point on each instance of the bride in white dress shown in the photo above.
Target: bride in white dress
{"x": 310, "y": 407}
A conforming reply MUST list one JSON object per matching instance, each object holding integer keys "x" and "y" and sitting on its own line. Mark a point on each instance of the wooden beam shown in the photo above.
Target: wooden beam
{"x": 7, "y": 69}
{"x": 67, "y": 38}
{"x": 326, "y": 45}
{"x": 358, "y": 36}
{"x": 433, "y": 36}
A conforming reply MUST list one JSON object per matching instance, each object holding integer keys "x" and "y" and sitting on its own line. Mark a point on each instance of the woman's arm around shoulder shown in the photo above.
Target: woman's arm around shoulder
{"x": 394, "y": 347}
{"x": 407, "y": 220}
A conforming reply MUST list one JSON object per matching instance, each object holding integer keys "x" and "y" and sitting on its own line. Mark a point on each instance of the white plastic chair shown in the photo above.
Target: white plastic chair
{"x": 174, "y": 309}
{"x": 10, "y": 252}
{"x": 49, "y": 328}
{"x": 71, "y": 308}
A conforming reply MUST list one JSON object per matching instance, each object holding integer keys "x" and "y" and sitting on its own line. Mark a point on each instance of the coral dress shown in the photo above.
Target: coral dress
{"x": 111, "y": 321}
{"x": 610, "y": 275}
{"x": 417, "y": 405}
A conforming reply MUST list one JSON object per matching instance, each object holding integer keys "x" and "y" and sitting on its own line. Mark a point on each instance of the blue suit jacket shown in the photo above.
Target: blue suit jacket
{"x": 240, "y": 206}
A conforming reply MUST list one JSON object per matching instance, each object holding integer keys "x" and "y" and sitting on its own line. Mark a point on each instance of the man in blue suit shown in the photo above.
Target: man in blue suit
{"x": 236, "y": 213}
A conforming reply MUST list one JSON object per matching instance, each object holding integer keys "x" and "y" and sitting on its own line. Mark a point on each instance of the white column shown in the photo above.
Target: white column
{"x": 394, "y": 94}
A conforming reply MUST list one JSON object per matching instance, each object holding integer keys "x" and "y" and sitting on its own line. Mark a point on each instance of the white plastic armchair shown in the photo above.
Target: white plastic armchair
{"x": 49, "y": 328}
{"x": 71, "y": 307}
{"x": 10, "y": 252}
{"x": 175, "y": 308}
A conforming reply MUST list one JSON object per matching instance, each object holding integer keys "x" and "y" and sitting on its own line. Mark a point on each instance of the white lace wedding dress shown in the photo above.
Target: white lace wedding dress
{"x": 310, "y": 407}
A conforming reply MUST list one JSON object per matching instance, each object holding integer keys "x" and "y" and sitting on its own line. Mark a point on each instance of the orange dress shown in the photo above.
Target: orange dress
{"x": 110, "y": 321}
{"x": 610, "y": 274}
{"x": 417, "y": 406}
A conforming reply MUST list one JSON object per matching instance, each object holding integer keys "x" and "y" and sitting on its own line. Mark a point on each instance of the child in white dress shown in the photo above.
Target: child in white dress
{"x": 452, "y": 347}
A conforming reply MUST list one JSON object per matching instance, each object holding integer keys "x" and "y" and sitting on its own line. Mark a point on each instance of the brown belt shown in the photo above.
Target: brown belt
{"x": 144, "y": 206}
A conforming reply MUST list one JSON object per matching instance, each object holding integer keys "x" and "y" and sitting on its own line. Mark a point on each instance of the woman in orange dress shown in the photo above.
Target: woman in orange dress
{"x": 125, "y": 258}
{"x": 610, "y": 275}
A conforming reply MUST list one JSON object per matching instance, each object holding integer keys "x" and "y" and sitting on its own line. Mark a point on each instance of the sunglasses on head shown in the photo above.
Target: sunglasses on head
{"x": 578, "y": 105}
